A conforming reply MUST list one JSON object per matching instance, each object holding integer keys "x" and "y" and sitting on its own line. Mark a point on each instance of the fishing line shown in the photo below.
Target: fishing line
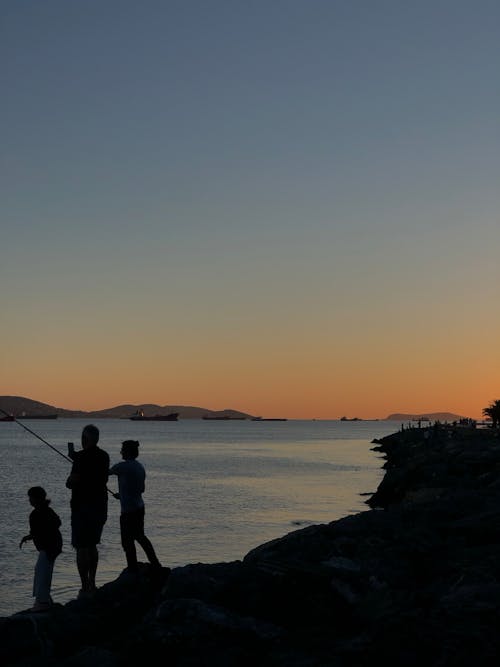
{"x": 45, "y": 442}
{"x": 37, "y": 436}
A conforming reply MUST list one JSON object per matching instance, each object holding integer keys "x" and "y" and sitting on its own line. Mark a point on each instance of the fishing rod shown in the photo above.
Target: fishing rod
{"x": 37, "y": 436}
{"x": 45, "y": 442}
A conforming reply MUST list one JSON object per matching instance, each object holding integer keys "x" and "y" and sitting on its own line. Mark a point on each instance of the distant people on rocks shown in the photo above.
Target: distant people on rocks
{"x": 131, "y": 485}
{"x": 44, "y": 531}
{"x": 89, "y": 504}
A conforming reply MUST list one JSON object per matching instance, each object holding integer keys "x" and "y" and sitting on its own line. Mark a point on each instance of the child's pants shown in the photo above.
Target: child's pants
{"x": 43, "y": 578}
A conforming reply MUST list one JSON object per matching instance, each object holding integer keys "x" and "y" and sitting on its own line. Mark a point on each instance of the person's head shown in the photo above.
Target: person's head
{"x": 38, "y": 496}
{"x": 90, "y": 436}
{"x": 130, "y": 449}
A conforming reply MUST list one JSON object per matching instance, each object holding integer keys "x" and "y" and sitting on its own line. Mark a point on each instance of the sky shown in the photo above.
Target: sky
{"x": 285, "y": 207}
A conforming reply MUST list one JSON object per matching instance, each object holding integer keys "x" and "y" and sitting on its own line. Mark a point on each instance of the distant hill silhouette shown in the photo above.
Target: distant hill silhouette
{"x": 19, "y": 405}
{"x": 433, "y": 416}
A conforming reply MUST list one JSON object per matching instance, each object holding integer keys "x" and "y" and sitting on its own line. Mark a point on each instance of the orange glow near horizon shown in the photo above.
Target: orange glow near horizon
{"x": 295, "y": 371}
{"x": 301, "y": 391}
{"x": 294, "y": 367}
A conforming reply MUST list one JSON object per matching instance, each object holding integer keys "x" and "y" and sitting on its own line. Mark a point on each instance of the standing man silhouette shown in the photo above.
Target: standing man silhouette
{"x": 89, "y": 504}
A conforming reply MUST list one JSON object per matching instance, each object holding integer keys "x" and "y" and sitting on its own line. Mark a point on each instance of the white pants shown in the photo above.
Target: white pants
{"x": 43, "y": 578}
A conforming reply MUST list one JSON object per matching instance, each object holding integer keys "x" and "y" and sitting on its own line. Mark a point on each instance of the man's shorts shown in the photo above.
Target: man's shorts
{"x": 86, "y": 526}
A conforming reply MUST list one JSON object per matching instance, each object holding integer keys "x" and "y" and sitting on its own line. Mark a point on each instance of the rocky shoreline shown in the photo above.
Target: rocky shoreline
{"x": 413, "y": 580}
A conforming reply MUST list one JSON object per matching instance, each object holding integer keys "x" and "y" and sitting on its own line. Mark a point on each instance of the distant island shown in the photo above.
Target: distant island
{"x": 19, "y": 406}
{"x": 22, "y": 407}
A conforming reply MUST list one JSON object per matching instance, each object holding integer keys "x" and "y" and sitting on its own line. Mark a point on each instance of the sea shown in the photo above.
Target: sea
{"x": 214, "y": 489}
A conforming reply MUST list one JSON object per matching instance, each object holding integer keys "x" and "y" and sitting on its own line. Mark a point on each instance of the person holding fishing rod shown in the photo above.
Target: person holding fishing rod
{"x": 131, "y": 484}
{"x": 89, "y": 504}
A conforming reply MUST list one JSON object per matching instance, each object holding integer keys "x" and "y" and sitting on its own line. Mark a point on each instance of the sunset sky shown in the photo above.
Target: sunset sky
{"x": 285, "y": 207}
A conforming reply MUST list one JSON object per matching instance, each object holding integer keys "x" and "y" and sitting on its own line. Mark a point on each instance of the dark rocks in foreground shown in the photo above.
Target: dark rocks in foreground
{"x": 415, "y": 580}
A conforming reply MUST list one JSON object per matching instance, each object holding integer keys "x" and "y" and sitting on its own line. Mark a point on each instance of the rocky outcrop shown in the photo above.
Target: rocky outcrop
{"x": 413, "y": 580}
{"x": 405, "y": 417}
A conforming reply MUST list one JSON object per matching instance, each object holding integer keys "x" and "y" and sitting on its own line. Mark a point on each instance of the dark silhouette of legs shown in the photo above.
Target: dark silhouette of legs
{"x": 148, "y": 550}
{"x": 87, "y": 559}
{"x": 132, "y": 530}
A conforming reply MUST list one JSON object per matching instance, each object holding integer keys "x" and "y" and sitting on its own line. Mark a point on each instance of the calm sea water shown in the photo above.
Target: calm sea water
{"x": 214, "y": 490}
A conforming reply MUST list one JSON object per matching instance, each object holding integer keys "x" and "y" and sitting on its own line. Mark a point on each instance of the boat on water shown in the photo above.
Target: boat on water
{"x": 269, "y": 419}
{"x": 351, "y": 419}
{"x": 223, "y": 418}
{"x": 139, "y": 416}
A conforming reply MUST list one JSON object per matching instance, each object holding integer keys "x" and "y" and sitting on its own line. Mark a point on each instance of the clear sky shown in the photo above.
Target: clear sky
{"x": 285, "y": 207}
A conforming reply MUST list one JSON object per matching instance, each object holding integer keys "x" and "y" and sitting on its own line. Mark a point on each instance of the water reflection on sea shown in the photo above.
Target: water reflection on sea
{"x": 214, "y": 489}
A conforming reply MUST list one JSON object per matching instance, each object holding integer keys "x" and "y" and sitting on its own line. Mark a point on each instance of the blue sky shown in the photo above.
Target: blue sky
{"x": 224, "y": 180}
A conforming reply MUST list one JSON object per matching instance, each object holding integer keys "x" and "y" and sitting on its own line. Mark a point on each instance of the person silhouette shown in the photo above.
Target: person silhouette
{"x": 44, "y": 531}
{"x": 131, "y": 485}
{"x": 89, "y": 504}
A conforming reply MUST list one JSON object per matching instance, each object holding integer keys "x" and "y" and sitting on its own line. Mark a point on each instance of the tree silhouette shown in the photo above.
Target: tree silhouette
{"x": 493, "y": 412}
